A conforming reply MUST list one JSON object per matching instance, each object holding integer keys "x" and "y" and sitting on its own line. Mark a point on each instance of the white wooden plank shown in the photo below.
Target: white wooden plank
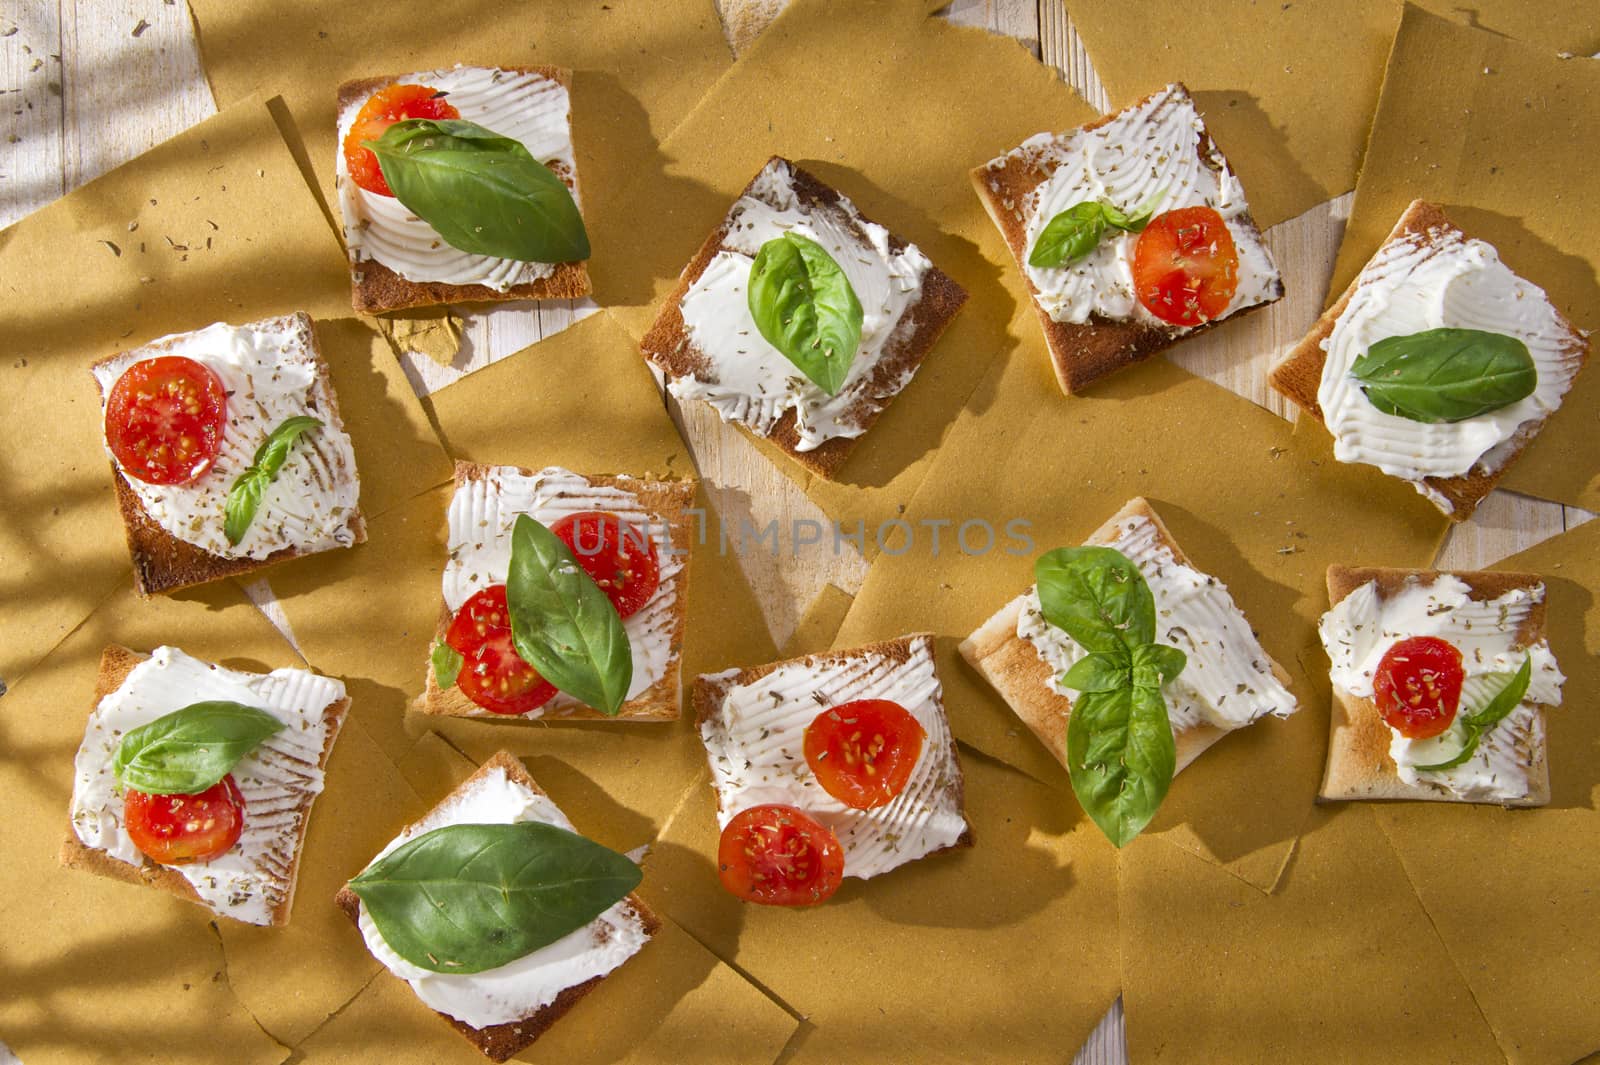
{"x": 1011, "y": 18}
{"x": 30, "y": 109}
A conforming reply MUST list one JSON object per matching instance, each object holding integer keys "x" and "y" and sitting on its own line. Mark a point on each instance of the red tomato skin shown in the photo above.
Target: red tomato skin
{"x": 619, "y": 556}
{"x": 1186, "y": 266}
{"x": 390, "y": 104}
{"x": 1417, "y": 686}
{"x": 863, "y": 752}
{"x": 185, "y": 829}
{"x": 165, "y": 418}
{"x": 777, "y": 855}
{"x": 492, "y": 674}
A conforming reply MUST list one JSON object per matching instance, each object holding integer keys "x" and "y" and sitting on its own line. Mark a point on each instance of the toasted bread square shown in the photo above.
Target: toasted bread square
{"x": 1023, "y": 678}
{"x": 163, "y": 562}
{"x": 115, "y": 664}
{"x": 1084, "y": 352}
{"x": 1359, "y": 765}
{"x": 670, "y": 348}
{"x": 375, "y": 288}
{"x": 500, "y": 1041}
{"x": 669, "y": 501}
{"x": 1299, "y": 374}
{"x": 877, "y": 840}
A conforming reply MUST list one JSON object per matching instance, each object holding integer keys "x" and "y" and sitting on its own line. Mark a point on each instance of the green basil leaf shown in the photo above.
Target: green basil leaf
{"x": 1121, "y": 756}
{"x": 1100, "y": 671}
{"x": 562, "y": 624}
{"x": 466, "y": 898}
{"x": 1154, "y": 664}
{"x": 1491, "y": 714}
{"x": 1069, "y": 236}
{"x": 483, "y": 193}
{"x": 1096, "y": 596}
{"x": 1446, "y": 375}
{"x": 244, "y": 497}
{"x": 447, "y": 663}
{"x": 1130, "y": 223}
{"x": 803, "y": 304}
{"x": 187, "y": 751}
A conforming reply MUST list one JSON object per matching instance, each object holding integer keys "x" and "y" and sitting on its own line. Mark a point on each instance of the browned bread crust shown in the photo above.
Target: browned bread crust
{"x": 1082, "y": 353}
{"x": 668, "y": 347}
{"x": 1299, "y": 374}
{"x": 1015, "y": 670}
{"x": 162, "y": 562}
{"x": 671, "y": 501}
{"x": 500, "y": 1041}
{"x": 1359, "y": 766}
{"x": 374, "y": 288}
{"x": 116, "y": 663}
{"x": 711, "y": 689}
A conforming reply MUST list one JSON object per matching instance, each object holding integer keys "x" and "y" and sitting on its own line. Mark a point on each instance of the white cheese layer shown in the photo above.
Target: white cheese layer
{"x": 481, "y": 516}
{"x": 526, "y": 107}
{"x": 270, "y": 376}
{"x": 276, "y": 779}
{"x": 518, "y": 989}
{"x": 1148, "y": 156}
{"x": 1228, "y": 681}
{"x": 748, "y": 380}
{"x": 1417, "y": 283}
{"x": 755, "y": 744}
{"x": 1361, "y": 628}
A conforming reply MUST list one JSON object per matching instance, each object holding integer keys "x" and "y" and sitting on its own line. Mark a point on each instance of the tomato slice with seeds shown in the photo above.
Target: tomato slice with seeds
{"x": 863, "y": 752}
{"x": 492, "y": 674}
{"x": 777, "y": 855}
{"x": 620, "y": 557}
{"x": 1185, "y": 266}
{"x": 165, "y": 419}
{"x": 183, "y": 829}
{"x": 390, "y": 104}
{"x": 1417, "y": 687}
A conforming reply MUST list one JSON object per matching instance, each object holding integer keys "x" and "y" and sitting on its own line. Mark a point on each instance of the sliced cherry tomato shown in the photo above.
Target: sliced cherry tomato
{"x": 182, "y": 829}
{"x": 165, "y": 418}
{"x": 388, "y": 105}
{"x": 1418, "y": 686}
{"x": 1185, "y": 266}
{"x": 492, "y": 674}
{"x": 620, "y": 557}
{"x": 863, "y": 752}
{"x": 778, "y": 856}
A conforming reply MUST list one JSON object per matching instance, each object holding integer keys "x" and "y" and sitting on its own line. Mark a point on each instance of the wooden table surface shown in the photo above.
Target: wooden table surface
{"x": 89, "y": 84}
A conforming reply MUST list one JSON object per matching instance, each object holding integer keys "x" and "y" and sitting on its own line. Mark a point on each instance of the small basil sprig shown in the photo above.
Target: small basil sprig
{"x": 562, "y": 624}
{"x": 466, "y": 898}
{"x": 244, "y": 498}
{"x": 1121, "y": 753}
{"x": 483, "y": 193}
{"x": 803, "y": 304}
{"x": 187, "y": 751}
{"x": 1475, "y": 724}
{"x": 447, "y": 663}
{"x": 1446, "y": 375}
{"x": 1077, "y": 231}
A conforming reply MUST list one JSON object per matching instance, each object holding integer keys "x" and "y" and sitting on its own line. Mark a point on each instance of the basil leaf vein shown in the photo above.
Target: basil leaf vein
{"x": 562, "y": 624}
{"x": 1096, "y": 596}
{"x": 803, "y": 304}
{"x": 482, "y": 192}
{"x": 447, "y": 662}
{"x": 1074, "y": 233}
{"x": 187, "y": 751}
{"x": 1446, "y": 375}
{"x": 244, "y": 496}
{"x": 466, "y": 898}
{"x": 1475, "y": 724}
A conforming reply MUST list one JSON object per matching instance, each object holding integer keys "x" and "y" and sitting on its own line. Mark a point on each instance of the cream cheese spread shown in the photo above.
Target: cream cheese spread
{"x": 1419, "y": 282}
{"x": 755, "y": 743}
{"x": 749, "y": 381}
{"x": 518, "y": 989}
{"x": 481, "y": 516}
{"x": 270, "y": 376}
{"x": 527, "y": 107}
{"x": 276, "y": 780}
{"x": 1362, "y": 626}
{"x": 1152, "y": 156}
{"x": 1228, "y": 681}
